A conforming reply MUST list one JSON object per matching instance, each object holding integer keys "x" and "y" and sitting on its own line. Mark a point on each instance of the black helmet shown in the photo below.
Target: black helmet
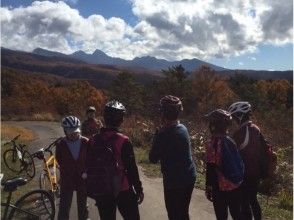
{"x": 114, "y": 107}
{"x": 114, "y": 112}
{"x": 91, "y": 109}
{"x": 170, "y": 106}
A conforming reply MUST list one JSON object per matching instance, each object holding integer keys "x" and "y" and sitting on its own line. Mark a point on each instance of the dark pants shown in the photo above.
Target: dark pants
{"x": 126, "y": 202}
{"x": 177, "y": 202}
{"x": 222, "y": 200}
{"x": 249, "y": 202}
{"x": 65, "y": 203}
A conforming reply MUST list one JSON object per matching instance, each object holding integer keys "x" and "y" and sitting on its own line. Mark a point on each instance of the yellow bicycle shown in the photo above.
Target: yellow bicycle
{"x": 49, "y": 177}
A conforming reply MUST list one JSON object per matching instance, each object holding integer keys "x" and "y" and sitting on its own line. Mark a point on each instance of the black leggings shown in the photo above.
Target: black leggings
{"x": 126, "y": 202}
{"x": 249, "y": 202}
{"x": 177, "y": 202}
{"x": 65, "y": 204}
{"x": 222, "y": 200}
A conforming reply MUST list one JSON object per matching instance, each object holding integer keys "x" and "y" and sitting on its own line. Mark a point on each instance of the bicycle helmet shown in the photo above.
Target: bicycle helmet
{"x": 114, "y": 112}
{"x": 71, "y": 124}
{"x": 170, "y": 106}
{"x": 91, "y": 109}
{"x": 219, "y": 116}
{"x": 240, "y": 107}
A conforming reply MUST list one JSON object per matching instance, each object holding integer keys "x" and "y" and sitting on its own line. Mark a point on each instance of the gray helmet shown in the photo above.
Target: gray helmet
{"x": 71, "y": 123}
{"x": 240, "y": 108}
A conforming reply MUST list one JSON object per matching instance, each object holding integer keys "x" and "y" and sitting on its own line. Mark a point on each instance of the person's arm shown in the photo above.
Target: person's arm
{"x": 129, "y": 162}
{"x": 156, "y": 149}
{"x": 209, "y": 180}
{"x": 58, "y": 154}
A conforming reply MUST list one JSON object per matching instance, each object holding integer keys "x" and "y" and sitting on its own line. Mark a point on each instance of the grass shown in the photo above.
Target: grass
{"x": 9, "y": 131}
{"x": 149, "y": 169}
{"x": 45, "y": 116}
{"x": 272, "y": 207}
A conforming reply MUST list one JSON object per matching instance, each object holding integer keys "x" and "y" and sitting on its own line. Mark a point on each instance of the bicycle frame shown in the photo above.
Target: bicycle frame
{"x": 50, "y": 166}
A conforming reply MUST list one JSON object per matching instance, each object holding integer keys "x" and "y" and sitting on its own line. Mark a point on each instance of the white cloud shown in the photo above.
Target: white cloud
{"x": 170, "y": 29}
{"x": 241, "y": 64}
{"x": 252, "y": 58}
{"x": 217, "y": 28}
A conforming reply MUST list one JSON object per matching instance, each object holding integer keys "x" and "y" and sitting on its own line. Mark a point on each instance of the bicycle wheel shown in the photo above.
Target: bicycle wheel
{"x": 28, "y": 164}
{"x": 12, "y": 161}
{"x": 38, "y": 203}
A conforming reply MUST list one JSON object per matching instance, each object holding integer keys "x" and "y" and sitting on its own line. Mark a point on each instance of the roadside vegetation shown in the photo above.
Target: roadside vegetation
{"x": 201, "y": 91}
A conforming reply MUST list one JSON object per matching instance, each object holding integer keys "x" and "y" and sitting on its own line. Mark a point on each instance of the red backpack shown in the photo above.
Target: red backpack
{"x": 103, "y": 178}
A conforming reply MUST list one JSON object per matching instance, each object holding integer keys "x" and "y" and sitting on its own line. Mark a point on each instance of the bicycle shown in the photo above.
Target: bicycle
{"x": 17, "y": 159}
{"x": 49, "y": 179}
{"x": 36, "y": 204}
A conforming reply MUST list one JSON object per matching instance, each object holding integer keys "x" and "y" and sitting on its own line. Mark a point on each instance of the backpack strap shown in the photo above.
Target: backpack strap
{"x": 246, "y": 139}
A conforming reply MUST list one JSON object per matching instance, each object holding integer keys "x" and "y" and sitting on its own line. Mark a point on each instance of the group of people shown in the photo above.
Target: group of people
{"x": 172, "y": 147}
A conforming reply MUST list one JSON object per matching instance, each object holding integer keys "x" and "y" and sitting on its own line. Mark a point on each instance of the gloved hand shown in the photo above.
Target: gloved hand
{"x": 140, "y": 198}
{"x": 208, "y": 193}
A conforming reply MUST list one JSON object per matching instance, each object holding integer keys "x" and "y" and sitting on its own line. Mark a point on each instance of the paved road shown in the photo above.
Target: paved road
{"x": 153, "y": 207}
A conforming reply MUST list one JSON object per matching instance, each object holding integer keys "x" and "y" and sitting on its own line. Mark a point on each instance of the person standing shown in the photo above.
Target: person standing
{"x": 129, "y": 190}
{"x": 91, "y": 125}
{"x": 249, "y": 141}
{"x": 70, "y": 153}
{"x": 222, "y": 192}
{"x": 172, "y": 147}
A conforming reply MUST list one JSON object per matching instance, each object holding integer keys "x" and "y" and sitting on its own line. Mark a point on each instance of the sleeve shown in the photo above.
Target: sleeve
{"x": 83, "y": 129}
{"x": 210, "y": 174}
{"x": 129, "y": 162}
{"x": 156, "y": 149}
{"x": 58, "y": 154}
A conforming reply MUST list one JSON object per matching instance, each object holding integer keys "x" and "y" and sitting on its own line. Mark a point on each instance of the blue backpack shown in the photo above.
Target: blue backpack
{"x": 232, "y": 165}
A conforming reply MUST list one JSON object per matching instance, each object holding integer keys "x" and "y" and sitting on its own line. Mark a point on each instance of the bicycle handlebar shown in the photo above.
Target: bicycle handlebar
{"x": 12, "y": 140}
{"x": 47, "y": 149}
{"x": 52, "y": 144}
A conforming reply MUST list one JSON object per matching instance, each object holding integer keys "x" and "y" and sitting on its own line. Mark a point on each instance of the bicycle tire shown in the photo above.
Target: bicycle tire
{"x": 8, "y": 157}
{"x": 39, "y": 202}
{"x": 29, "y": 166}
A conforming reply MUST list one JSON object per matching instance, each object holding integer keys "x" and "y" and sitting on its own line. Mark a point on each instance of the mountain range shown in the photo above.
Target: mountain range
{"x": 147, "y": 62}
{"x": 80, "y": 65}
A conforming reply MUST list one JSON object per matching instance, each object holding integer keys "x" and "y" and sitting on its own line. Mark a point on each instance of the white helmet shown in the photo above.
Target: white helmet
{"x": 71, "y": 123}
{"x": 240, "y": 107}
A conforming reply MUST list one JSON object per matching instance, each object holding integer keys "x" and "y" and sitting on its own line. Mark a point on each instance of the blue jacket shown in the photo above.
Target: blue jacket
{"x": 172, "y": 147}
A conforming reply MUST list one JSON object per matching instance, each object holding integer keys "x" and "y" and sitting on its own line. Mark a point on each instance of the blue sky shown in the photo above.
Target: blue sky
{"x": 240, "y": 35}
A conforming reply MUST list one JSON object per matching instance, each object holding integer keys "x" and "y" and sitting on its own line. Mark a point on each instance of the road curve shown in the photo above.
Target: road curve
{"x": 153, "y": 207}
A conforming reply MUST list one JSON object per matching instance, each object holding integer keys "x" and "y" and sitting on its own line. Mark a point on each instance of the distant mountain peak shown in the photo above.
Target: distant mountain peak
{"x": 98, "y": 52}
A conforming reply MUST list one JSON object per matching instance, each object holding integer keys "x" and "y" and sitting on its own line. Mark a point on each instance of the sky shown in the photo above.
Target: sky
{"x": 244, "y": 34}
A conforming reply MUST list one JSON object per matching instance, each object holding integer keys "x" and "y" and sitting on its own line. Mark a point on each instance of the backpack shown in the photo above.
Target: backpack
{"x": 103, "y": 177}
{"x": 268, "y": 160}
{"x": 231, "y": 165}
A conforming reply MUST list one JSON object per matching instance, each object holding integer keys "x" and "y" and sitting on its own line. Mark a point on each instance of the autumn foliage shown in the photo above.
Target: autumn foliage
{"x": 23, "y": 94}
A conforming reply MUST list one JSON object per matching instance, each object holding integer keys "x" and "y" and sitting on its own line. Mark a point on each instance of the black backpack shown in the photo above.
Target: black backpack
{"x": 103, "y": 178}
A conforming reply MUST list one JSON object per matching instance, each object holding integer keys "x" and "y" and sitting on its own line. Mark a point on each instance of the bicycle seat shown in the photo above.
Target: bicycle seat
{"x": 11, "y": 185}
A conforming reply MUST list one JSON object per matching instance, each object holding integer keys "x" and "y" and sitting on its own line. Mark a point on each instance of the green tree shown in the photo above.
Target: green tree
{"x": 125, "y": 89}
